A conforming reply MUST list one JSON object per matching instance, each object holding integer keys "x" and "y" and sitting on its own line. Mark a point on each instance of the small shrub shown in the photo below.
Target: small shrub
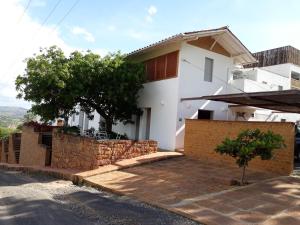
{"x": 73, "y": 130}
{"x": 114, "y": 135}
{"x": 250, "y": 144}
{"x": 5, "y": 132}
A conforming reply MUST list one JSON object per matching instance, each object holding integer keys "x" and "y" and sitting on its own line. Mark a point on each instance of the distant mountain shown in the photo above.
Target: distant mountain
{"x": 11, "y": 116}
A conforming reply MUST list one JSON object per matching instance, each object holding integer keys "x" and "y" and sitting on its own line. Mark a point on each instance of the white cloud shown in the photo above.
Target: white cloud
{"x": 20, "y": 39}
{"x": 84, "y": 33}
{"x": 152, "y": 10}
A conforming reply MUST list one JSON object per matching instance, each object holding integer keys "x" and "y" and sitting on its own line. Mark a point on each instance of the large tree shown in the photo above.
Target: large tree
{"x": 56, "y": 84}
{"x": 46, "y": 83}
{"x": 114, "y": 84}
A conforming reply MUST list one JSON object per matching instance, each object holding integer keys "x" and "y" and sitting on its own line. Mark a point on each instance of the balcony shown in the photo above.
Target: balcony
{"x": 295, "y": 84}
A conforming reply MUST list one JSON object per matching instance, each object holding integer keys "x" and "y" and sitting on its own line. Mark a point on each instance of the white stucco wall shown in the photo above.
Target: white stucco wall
{"x": 256, "y": 79}
{"x": 161, "y": 97}
{"x": 192, "y": 84}
{"x": 263, "y": 115}
{"x": 95, "y": 121}
{"x": 273, "y": 79}
{"x": 283, "y": 69}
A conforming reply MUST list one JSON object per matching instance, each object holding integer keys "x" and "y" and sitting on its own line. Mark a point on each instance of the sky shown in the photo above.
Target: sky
{"x": 107, "y": 26}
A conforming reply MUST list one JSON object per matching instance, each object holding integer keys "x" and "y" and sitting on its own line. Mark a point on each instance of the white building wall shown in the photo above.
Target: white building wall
{"x": 256, "y": 79}
{"x": 94, "y": 123}
{"x": 259, "y": 79}
{"x": 192, "y": 84}
{"x": 283, "y": 69}
{"x": 295, "y": 68}
{"x": 273, "y": 79}
{"x": 161, "y": 97}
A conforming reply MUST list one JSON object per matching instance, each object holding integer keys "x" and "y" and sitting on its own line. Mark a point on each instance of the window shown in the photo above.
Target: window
{"x": 73, "y": 117}
{"x": 205, "y": 114}
{"x": 162, "y": 67}
{"x": 208, "y": 69}
{"x": 295, "y": 75}
{"x": 280, "y": 87}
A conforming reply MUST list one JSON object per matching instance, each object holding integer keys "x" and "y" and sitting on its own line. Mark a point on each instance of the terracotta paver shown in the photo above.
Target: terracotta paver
{"x": 77, "y": 175}
{"x": 202, "y": 191}
{"x": 127, "y": 163}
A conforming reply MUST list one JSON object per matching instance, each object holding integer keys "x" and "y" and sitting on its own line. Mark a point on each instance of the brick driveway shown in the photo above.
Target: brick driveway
{"x": 202, "y": 191}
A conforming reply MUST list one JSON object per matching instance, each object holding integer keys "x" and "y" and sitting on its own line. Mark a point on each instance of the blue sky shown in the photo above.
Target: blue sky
{"x": 127, "y": 25}
{"x": 104, "y": 26}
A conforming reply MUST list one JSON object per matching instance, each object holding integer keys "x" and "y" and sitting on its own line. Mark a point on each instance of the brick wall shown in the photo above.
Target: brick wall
{"x": 77, "y": 152}
{"x": 4, "y": 155}
{"x": 32, "y": 153}
{"x": 11, "y": 153}
{"x": 1, "y": 151}
{"x": 202, "y": 137}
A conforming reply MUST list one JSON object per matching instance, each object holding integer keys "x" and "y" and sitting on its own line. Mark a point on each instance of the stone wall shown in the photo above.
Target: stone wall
{"x": 202, "y": 137}
{"x": 32, "y": 153}
{"x": 75, "y": 152}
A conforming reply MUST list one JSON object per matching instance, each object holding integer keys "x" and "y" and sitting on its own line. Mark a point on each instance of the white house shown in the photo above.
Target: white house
{"x": 276, "y": 69}
{"x": 192, "y": 64}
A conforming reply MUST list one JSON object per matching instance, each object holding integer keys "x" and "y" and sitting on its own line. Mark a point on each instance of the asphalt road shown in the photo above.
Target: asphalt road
{"x": 39, "y": 200}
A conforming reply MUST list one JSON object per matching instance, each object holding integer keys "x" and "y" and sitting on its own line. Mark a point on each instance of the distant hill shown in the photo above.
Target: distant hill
{"x": 11, "y": 116}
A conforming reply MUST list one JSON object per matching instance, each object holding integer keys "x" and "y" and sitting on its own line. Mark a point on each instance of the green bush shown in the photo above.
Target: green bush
{"x": 113, "y": 135}
{"x": 74, "y": 130}
{"x": 5, "y": 132}
{"x": 250, "y": 144}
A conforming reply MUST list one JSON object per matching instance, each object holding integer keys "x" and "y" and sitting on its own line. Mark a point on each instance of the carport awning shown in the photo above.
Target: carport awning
{"x": 285, "y": 101}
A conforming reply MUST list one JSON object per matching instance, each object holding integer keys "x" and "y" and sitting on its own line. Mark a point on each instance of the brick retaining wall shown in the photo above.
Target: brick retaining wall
{"x": 32, "y": 152}
{"x": 202, "y": 137}
{"x": 1, "y": 151}
{"x": 76, "y": 152}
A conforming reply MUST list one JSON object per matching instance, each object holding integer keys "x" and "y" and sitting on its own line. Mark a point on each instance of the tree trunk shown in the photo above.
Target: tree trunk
{"x": 108, "y": 124}
{"x": 243, "y": 175}
{"x": 66, "y": 121}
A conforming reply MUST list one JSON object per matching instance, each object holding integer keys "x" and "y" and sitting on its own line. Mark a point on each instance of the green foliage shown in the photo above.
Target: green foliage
{"x": 250, "y": 144}
{"x": 5, "y": 132}
{"x": 56, "y": 84}
{"x": 45, "y": 83}
{"x": 114, "y": 84}
{"x": 74, "y": 130}
{"x": 114, "y": 135}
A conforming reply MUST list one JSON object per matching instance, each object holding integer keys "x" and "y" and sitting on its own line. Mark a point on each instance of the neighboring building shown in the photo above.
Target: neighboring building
{"x": 284, "y": 61}
{"x": 275, "y": 69}
{"x": 193, "y": 64}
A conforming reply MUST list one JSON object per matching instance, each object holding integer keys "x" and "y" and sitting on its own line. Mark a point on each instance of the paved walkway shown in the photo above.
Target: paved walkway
{"x": 78, "y": 175}
{"x": 202, "y": 191}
